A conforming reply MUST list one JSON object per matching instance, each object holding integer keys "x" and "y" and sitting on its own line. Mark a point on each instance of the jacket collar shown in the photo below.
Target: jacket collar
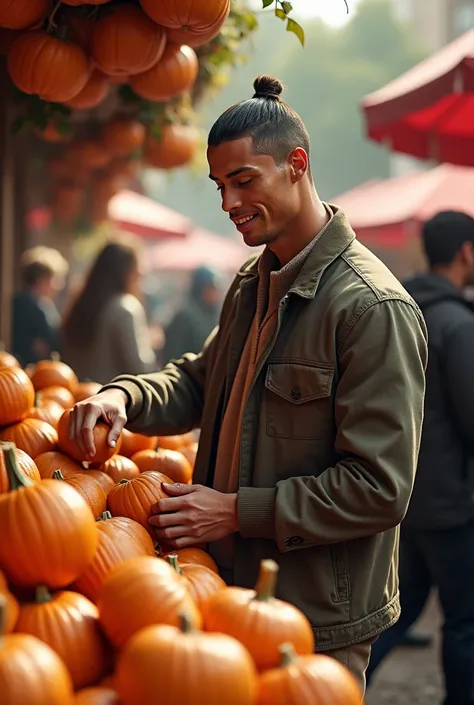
{"x": 328, "y": 245}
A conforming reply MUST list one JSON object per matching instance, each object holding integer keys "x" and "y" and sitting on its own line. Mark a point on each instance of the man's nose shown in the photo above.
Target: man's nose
{"x": 230, "y": 200}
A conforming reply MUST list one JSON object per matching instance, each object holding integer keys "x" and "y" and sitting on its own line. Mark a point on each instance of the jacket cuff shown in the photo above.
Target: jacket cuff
{"x": 134, "y": 394}
{"x": 256, "y": 512}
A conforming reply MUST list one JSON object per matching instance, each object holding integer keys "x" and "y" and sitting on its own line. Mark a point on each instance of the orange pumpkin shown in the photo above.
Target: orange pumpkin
{"x": 192, "y": 22}
{"x": 176, "y": 147}
{"x": 76, "y": 3}
{"x": 86, "y": 389}
{"x": 46, "y": 410}
{"x": 194, "y": 556}
{"x": 59, "y": 526}
{"x": 122, "y": 136}
{"x": 134, "y": 442}
{"x": 88, "y": 488}
{"x": 200, "y": 581}
{"x": 175, "y": 442}
{"x": 47, "y": 463}
{"x": 7, "y": 360}
{"x": 218, "y": 669}
{"x": 135, "y": 498}
{"x": 26, "y": 465}
{"x": 21, "y": 14}
{"x": 127, "y": 42}
{"x": 116, "y": 545}
{"x": 148, "y": 591}
{"x": 60, "y": 394}
{"x": 69, "y": 624}
{"x": 54, "y": 69}
{"x": 54, "y": 373}
{"x": 104, "y": 480}
{"x": 190, "y": 453}
{"x": 258, "y": 620}
{"x": 171, "y": 463}
{"x": 17, "y": 395}
{"x": 97, "y": 696}
{"x": 93, "y": 94}
{"x": 174, "y": 73}
{"x": 30, "y": 671}
{"x": 11, "y": 608}
{"x": 120, "y": 468}
{"x": 80, "y": 29}
{"x": 305, "y": 680}
{"x": 31, "y": 435}
{"x": 72, "y": 448}
{"x": 89, "y": 153}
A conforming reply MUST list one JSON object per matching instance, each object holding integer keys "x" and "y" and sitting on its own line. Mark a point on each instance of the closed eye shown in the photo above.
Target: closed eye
{"x": 246, "y": 182}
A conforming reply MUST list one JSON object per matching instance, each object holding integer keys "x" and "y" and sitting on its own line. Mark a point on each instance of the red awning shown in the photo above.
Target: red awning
{"x": 146, "y": 218}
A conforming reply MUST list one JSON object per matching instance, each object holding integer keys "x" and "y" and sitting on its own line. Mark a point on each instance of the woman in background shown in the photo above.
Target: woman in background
{"x": 105, "y": 333}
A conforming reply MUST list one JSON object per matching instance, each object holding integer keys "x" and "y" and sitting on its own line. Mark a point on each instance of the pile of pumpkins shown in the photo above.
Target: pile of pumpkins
{"x": 92, "y": 612}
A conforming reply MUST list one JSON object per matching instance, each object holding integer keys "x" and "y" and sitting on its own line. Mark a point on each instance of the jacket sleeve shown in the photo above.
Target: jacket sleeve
{"x": 459, "y": 379}
{"x": 378, "y": 414}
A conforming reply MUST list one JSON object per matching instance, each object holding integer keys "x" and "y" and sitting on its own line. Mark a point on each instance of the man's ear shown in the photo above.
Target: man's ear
{"x": 299, "y": 161}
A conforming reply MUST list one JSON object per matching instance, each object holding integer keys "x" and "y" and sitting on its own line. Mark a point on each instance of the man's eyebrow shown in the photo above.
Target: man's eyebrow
{"x": 236, "y": 172}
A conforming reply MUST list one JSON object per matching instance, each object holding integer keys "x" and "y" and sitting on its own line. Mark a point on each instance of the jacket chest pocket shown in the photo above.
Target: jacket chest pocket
{"x": 299, "y": 401}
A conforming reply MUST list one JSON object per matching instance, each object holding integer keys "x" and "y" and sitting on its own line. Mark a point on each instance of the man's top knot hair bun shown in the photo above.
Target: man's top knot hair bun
{"x": 267, "y": 87}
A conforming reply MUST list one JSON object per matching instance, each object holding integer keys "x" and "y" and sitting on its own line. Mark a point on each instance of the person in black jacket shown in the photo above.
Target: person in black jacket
{"x": 437, "y": 546}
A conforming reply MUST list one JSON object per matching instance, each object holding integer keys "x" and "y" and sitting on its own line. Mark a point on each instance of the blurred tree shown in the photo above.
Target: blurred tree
{"x": 326, "y": 81}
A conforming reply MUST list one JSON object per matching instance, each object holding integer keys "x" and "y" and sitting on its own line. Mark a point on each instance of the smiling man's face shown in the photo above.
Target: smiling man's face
{"x": 260, "y": 196}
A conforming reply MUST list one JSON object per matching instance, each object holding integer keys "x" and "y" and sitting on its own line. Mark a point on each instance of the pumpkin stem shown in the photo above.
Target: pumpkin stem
{"x": 55, "y": 356}
{"x": 186, "y": 624}
{"x": 16, "y": 477}
{"x": 287, "y": 653}
{"x": 123, "y": 481}
{"x": 57, "y": 475}
{"x": 173, "y": 561}
{"x": 105, "y": 516}
{"x": 42, "y": 595}
{"x": 266, "y": 583}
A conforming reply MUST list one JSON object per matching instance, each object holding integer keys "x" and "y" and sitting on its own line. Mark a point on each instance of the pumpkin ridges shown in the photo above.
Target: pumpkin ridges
{"x": 54, "y": 373}
{"x": 17, "y": 395}
{"x": 46, "y": 410}
{"x": 22, "y": 14}
{"x": 31, "y": 435}
{"x": 88, "y": 488}
{"x": 135, "y": 498}
{"x": 72, "y": 448}
{"x": 104, "y": 480}
{"x": 93, "y": 94}
{"x": 47, "y": 463}
{"x": 200, "y": 581}
{"x": 134, "y": 442}
{"x": 175, "y": 73}
{"x": 60, "y": 394}
{"x": 118, "y": 467}
{"x": 171, "y": 463}
{"x": 195, "y": 556}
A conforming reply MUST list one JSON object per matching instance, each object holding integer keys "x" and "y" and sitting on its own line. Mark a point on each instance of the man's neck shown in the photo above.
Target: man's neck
{"x": 452, "y": 275}
{"x": 311, "y": 220}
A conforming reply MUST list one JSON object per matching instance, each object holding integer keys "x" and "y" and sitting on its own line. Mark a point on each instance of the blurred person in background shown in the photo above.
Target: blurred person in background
{"x": 191, "y": 325}
{"x": 105, "y": 331}
{"x": 36, "y": 320}
{"x": 437, "y": 540}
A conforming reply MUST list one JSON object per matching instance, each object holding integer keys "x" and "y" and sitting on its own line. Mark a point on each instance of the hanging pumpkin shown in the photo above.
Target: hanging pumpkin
{"x": 135, "y": 498}
{"x": 103, "y": 479}
{"x": 86, "y": 389}
{"x": 190, "y": 22}
{"x": 60, "y": 394}
{"x": 50, "y": 133}
{"x": 115, "y": 547}
{"x": 200, "y": 581}
{"x": 21, "y": 14}
{"x": 72, "y": 448}
{"x": 11, "y": 608}
{"x": 176, "y": 147}
{"x": 26, "y": 465}
{"x": 258, "y": 620}
{"x": 77, "y": 3}
{"x": 7, "y": 360}
{"x": 54, "y": 69}
{"x": 54, "y": 373}
{"x": 148, "y": 591}
{"x": 93, "y": 94}
{"x": 134, "y": 442}
{"x": 17, "y": 395}
{"x": 89, "y": 153}
{"x": 48, "y": 462}
{"x": 171, "y": 463}
{"x": 31, "y": 435}
{"x": 58, "y": 538}
{"x": 118, "y": 467}
{"x": 126, "y": 42}
{"x": 122, "y": 136}
{"x": 30, "y": 671}
{"x": 217, "y": 668}
{"x": 175, "y": 73}
{"x": 46, "y": 410}
{"x": 306, "y": 680}
{"x": 194, "y": 556}
{"x": 69, "y": 624}
{"x": 97, "y": 696}
{"x": 88, "y": 488}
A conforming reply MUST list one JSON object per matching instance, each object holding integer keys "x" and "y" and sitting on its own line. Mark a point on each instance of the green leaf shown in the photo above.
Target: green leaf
{"x": 18, "y": 124}
{"x": 267, "y": 3}
{"x": 279, "y": 13}
{"x": 287, "y": 7}
{"x": 297, "y": 29}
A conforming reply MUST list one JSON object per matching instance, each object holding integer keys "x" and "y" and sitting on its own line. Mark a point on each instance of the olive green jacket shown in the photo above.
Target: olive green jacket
{"x": 330, "y": 432}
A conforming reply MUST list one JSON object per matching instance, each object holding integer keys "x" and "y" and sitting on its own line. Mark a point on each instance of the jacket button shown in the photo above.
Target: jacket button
{"x": 296, "y": 393}
{"x": 293, "y": 541}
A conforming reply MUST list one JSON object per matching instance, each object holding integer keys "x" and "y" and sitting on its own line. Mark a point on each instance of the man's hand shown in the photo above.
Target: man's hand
{"x": 110, "y": 406}
{"x": 192, "y": 515}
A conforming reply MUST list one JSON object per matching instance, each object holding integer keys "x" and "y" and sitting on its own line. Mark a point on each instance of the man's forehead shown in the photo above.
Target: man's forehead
{"x": 233, "y": 157}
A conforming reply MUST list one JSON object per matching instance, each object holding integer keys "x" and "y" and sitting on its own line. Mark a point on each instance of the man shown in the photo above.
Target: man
{"x": 309, "y": 396}
{"x": 437, "y": 547}
{"x": 188, "y": 329}
{"x": 35, "y": 317}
